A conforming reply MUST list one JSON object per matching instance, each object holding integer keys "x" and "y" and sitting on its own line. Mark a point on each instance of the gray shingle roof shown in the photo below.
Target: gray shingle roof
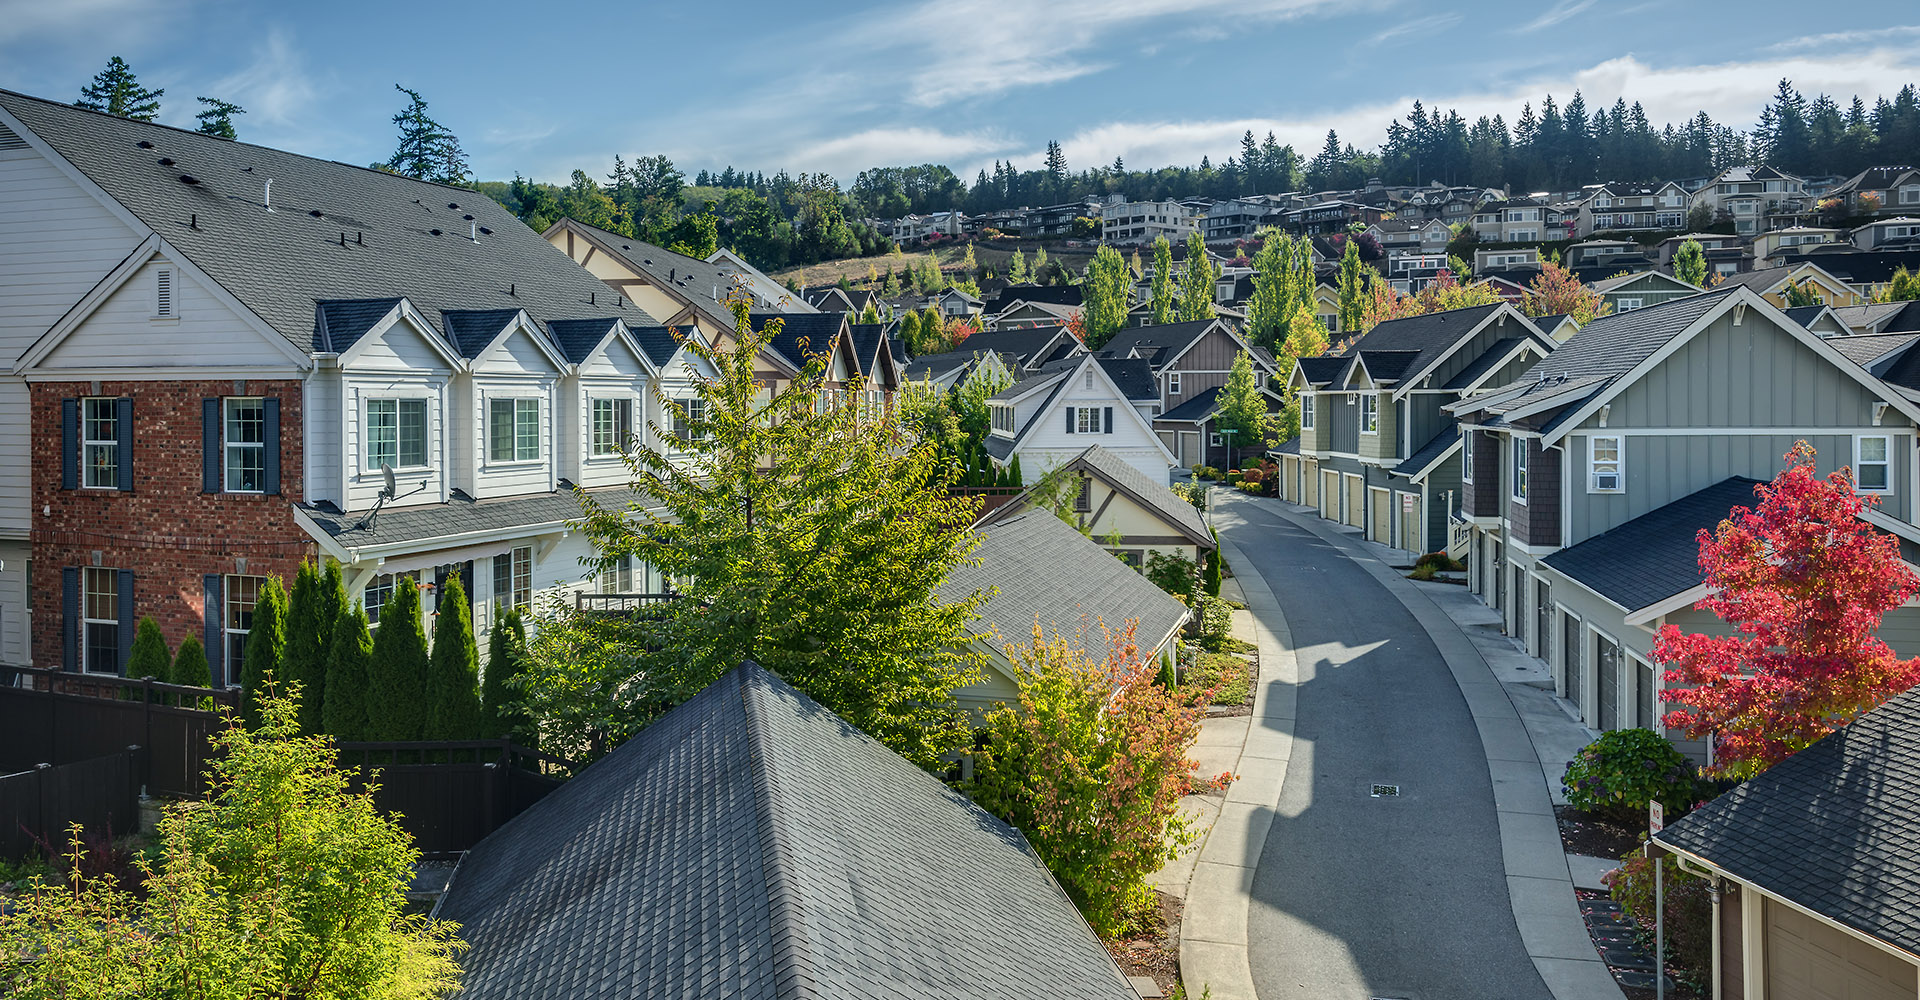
{"x": 1487, "y": 361}
{"x": 1323, "y": 370}
{"x": 1022, "y": 344}
{"x": 936, "y": 365}
{"x": 751, "y": 845}
{"x": 471, "y": 330}
{"x": 1044, "y": 567}
{"x": 1157, "y": 344}
{"x": 1865, "y": 349}
{"x": 1429, "y": 452}
{"x": 1831, "y": 828}
{"x": 1656, "y": 555}
{"x": 1132, "y": 376}
{"x": 578, "y": 337}
{"x": 705, "y": 284}
{"x": 280, "y": 264}
{"x": 1194, "y": 409}
{"x": 339, "y": 324}
{"x": 802, "y": 334}
{"x": 1388, "y": 366}
{"x": 1177, "y": 512}
{"x": 658, "y": 341}
{"x": 455, "y": 517}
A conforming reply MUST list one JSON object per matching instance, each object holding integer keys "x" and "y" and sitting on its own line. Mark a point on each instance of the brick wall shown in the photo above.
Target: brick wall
{"x": 165, "y": 529}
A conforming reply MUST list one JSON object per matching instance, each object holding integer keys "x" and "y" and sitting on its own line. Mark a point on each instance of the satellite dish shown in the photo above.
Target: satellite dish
{"x": 392, "y": 488}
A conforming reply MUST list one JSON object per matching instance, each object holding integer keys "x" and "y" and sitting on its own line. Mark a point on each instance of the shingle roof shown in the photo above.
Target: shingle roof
{"x": 1194, "y": 409}
{"x": 471, "y": 330}
{"x": 1866, "y": 348}
{"x": 1177, "y": 512}
{"x": 1388, "y": 366}
{"x": 1905, "y": 316}
{"x": 1132, "y": 376}
{"x": 752, "y": 845}
{"x": 936, "y": 365}
{"x": 1428, "y": 336}
{"x": 1429, "y": 452}
{"x": 578, "y": 337}
{"x": 1022, "y": 344}
{"x": 867, "y": 338}
{"x": 281, "y": 263}
{"x": 1157, "y": 344}
{"x": 1488, "y": 360}
{"x": 1656, "y": 555}
{"x": 705, "y": 284}
{"x": 658, "y": 341}
{"x": 339, "y": 324}
{"x": 1291, "y": 446}
{"x": 1323, "y": 370}
{"x": 1044, "y": 567}
{"x": 1831, "y": 828}
{"x": 455, "y": 517}
{"x": 801, "y": 334}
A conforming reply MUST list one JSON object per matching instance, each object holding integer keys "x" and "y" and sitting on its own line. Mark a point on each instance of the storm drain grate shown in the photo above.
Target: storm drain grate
{"x": 1385, "y": 791}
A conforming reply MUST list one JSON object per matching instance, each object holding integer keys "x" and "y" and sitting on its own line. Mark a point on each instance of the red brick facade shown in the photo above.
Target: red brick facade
{"x": 165, "y": 530}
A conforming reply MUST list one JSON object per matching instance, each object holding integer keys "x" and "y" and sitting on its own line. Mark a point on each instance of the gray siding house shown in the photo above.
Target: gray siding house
{"x": 1589, "y": 478}
{"x": 1377, "y": 450}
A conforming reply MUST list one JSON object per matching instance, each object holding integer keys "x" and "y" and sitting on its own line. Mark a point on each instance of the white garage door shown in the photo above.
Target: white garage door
{"x": 1809, "y": 960}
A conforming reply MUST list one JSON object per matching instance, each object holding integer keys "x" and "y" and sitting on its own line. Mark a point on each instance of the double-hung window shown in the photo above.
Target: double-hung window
{"x": 1173, "y": 383}
{"x": 693, "y": 412}
{"x": 1872, "y": 468}
{"x": 513, "y": 578}
{"x": 100, "y": 442}
{"x": 1520, "y": 470}
{"x": 241, "y": 594}
{"x": 513, "y": 432}
{"x": 1369, "y": 414}
{"x": 244, "y": 444}
{"x": 1306, "y": 411}
{"x": 612, "y": 426}
{"x": 1603, "y": 473}
{"x": 100, "y": 618}
{"x": 396, "y": 433}
{"x": 1087, "y": 420}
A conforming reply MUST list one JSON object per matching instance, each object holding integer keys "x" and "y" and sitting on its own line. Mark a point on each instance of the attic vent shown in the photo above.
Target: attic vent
{"x": 484, "y": 231}
{"x": 452, "y": 205}
{"x": 163, "y": 293}
{"x": 316, "y": 213}
{"x": 10, "y": 140}
{"x": 468, "y": 218}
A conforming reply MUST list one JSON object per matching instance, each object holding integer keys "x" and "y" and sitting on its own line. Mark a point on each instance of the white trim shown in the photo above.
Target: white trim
{"x": 1619, "y": 465}
{"x": 402, "y": 310}
{"x": 1760, "y": 925}
{"x": 1506, "y": 308}
{"x": 1886, "y": 463}
{"x": 522, "y": 322}
{"x": 1737, "y": 431}
{"x": 107, "y": 373}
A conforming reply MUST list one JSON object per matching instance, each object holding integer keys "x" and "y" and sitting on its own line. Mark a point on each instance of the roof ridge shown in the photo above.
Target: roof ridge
{"x": 794, "y": 974}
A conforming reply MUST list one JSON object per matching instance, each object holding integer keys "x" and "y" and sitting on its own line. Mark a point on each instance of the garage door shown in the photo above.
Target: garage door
{"x": 1310, "y": 482}
{"x": 1379, "y": 517}
{"x": 1609, "y": 667}
{"x": 1330, "y": 495}
{"x": 1410, "y": 533}
{"x": 1812, "y": 960}
{"x": 1356, "y": 502}
{"x": 1190, "y": 449}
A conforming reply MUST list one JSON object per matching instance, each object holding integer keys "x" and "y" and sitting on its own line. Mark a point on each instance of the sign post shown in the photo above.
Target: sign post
{"x": 1656, "y": 821}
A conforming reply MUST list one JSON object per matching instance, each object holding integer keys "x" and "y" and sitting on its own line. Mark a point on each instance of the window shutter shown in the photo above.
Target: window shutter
{"x": 69, "y": 444}
{"x": 216, "y": 640}
{"x": 123, "y": 422}
{"x": 210, "y": 446}
{"x": 272, "y": 434}
{"x": 127, "y": 622}
{"x": 1107, "y": 421}
{"x": 1072, "y": 414}
{"x": 70, "y": 619}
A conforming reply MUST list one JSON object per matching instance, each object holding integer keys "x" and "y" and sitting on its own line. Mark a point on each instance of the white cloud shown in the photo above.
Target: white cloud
{"x": 1872, "y": 38}
{"x": 66, "y": 19}
{"x": 1419, "y": 27}
{"x": 274, "y": 87}
{"x": 847, "y": 155}
{"x": 1557, "y": 13}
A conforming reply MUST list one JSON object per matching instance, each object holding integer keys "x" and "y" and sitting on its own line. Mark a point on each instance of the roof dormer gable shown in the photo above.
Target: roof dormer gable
{"x": 383, "y": 335}
{"x": 520, "y": 347}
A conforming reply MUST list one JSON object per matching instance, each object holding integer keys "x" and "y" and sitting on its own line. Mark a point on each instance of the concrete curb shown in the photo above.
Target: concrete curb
{"x": 1539, "y": 883}
{"x": 1213, "y": 933}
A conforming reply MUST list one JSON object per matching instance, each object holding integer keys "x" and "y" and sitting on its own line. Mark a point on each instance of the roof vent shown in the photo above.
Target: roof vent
{"x": 316, "y": 213}
{"x": 189, "y": 179}
{"x": 468, "y": 218}
{"x": 435, "y": 232}
{"x": 484, "y": 231}
{"x": 452, "y": 205}
{"x": 144, "y": 144}
{"x": 166, "y": 161}
{"x": 266, "y": 199}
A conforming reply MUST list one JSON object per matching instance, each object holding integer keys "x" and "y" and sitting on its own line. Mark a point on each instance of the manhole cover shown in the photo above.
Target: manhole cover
{"x": 1385, "y": 791}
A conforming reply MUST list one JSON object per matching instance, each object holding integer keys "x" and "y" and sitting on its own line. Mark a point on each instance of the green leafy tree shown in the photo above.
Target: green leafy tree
{"x": 217, "y": 119}
{"x": 1690, "y": 264}
{"x": 1801, "y": 293}
{"x": 1273, "y": 289}
{"x": 349, "y": 669}
{"x": 1017, "y": 268}
{"x": 1107, "y": 293}
{"x": 813, "y": 538}
{"x": 696, "y": 236}
{"x": 427, "y": 149}
{"x": 933, "y": 331}
{"x": 869, "y": 313}
{"x": 1904, "y": 286}
{"x": 317, "y": 600}
{"x": 116, "y": 91}
{"x": 266, "y": 648}
{"x": 397, "y": 686}
{"x": 282, "y": 883}
{"x": 1354, "y": 278}
{"x": 1040, "y": 265}
{"x": 1162, "y": 281}
{"x": 1196, "y": 285}
{"x": 506, "y": 660}
{"x": 190, "y": 665}
{"x": 453, "y": 668}
{"x": 150, "y": 657}
{"x": 1243, "y": 408}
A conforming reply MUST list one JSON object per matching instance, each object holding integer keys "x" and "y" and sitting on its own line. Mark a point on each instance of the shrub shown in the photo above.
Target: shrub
{"x": 1619, "y": 773}
{"x": 1251, "y": 475}
{"x": 190, "y": 665}
{"x": 1233, "y": 477}
{"x": 1173, "y": 573}
{"x": 499, "y": 696}
{"x": 453, "y": 669}
{"x": 1689, "y": 911}
{"x": 1091, "y": 766}
{"x": 1253, "y": 487}
{"x": 150, "y": 657}
{"x": 344, "y": 716}
{"x": 1422, "y": 571}
{"x": 397, "y": 682}
{"x": 1215, "y": 564}
{"x": 1199, "y": 472}
{"x": 266, "y": 648}
{"x": 1213, "y": 622}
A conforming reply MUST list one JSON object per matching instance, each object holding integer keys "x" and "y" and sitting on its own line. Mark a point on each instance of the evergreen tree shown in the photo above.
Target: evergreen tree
{"x": 1014, "y": 476}
{"x": 349, "y": 662}
{"x": 1017, "y": 268}
{"x": 500, "y": 694}
{"x": 1212, "y": 580}
{"x": 310, "y": 618}
{"x": 397, "y": 682}
{"x": 1163, "y": 281}
{"x": 190, "y": 666}
{"x": 1196, "y": 285}
{"x": 933, "y": 330}
{"x": 265, "y": 658}
{"x": 869, "y": 313}
{"x": 1690, "y": 264}
{"x": 117, "y": 92}
{"x": 1904, "y": 287}
{"x": 150, "y": 657}
{"x": 217, "y": 119}
{"x": 453, "y": 669}
{"x": 1353, "y": 288}
{"x": 910, "y": 333}
{"x": 427, "y": 150}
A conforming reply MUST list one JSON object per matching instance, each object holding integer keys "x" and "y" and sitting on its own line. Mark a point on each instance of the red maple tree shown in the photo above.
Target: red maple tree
{"x": 1804, "y": 581}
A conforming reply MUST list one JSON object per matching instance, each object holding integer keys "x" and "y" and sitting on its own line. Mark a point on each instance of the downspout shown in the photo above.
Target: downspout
{"x": 1713, "y": 893}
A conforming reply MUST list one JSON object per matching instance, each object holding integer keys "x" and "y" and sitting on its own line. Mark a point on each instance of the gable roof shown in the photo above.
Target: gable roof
{"x": 1655, "y": 556}
{"x": 659, "y": 343}
{"x": 1041, "y": 567}
{"x": 1830, "y": 829}
{"x": 751, "y": 844}
{"x": 579, "y": 337}
{"x": 278, "y": 264}
{"x": 1765, "y": 279}
{"x": 802, "y": 335}
{"x": 1620, "y": 281}
{"x": 937, "y": 365}
{"x": 1132, "y": 376}
{"x": 1143, "y": 491}
{"x": 470, "y": 331}
{"x": 1028, "y": 345}
{"x": 1430, "y": 454}
{"x": 1157, "y": 344}
{"x": 1201, "y": 406}
{"x": 340, "y": 323}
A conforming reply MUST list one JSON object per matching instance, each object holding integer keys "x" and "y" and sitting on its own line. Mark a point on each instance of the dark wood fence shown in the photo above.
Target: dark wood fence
{"x": 59, "y": 718}
{"x": 101, "y": 794}
{"x": 450, "y": 795}
{"x": 990, "y": 497}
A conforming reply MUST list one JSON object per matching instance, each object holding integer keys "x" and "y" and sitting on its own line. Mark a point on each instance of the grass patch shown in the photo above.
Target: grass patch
{"x": 1225, "y": 672}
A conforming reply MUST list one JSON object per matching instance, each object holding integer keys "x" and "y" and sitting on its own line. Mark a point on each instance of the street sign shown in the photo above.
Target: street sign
{"x": 1656, "y": 818}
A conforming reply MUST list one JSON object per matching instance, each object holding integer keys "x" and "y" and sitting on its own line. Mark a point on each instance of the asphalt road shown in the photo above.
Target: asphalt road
{"x": 1360, "y": 896}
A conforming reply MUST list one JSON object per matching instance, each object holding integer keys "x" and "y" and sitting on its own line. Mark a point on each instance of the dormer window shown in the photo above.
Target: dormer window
{"x": 612, "y": 426}
{"x": 1369, "y": 414}
{"x": 1002, "y": 418}
{"x": 396, "y": 433}
{"x": 513, "y": 434}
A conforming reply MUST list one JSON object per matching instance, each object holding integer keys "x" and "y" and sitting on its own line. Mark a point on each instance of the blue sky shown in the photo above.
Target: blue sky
{"x": 542, "y": 88}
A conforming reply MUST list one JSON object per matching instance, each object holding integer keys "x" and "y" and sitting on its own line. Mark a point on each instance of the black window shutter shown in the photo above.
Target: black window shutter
{"x": 1072, "y": 412}
{"x": 123, "y": 423}
{"x": 69, "y": 444}
{"x": 70, "y": 619}
{"x": 272, "y": 408}
{"x": 216, "y": 639}
{"x": 1108, "y": 418}
{"x": 127, "y": 622}
{"x": 210, "y": 448}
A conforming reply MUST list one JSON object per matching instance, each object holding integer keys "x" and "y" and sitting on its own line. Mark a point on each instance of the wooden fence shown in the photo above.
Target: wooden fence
{"x": 450, "y": 795}
{"x": 57, "y": 718}
{"x": 101, "y": 794}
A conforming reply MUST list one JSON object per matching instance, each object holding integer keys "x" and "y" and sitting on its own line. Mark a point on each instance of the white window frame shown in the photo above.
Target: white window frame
{"x": 1173, "y": 383}
{"x": 1518, "y": 463}
{"x": 1885, "y": 463}
{"x": 1466, "y": 456}
{"x": 379, "y": 591}
{"x": 518, "y": 408}
{"x": 93, "y": 468}
{"x": 1001, "y": 416}
{"x": 400, "y": 404}
{"x": 518, "y": 569}
{"x": 695, "y": 408}
{"x": 614, "y": 438}
{"x": 1596, "y": 467}
{"x": 236, "y": 610}
{"x": 1085, "y": 415}
{"x": 1627, "y": 305}
{"x": 1306, "y": 411}
{"x": 109, "y": 593}
{"x": 1369, "y": 413}
{"x": 231, "y": 449}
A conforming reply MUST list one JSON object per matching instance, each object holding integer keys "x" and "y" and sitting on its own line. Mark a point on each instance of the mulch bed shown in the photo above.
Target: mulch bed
{"x": 1596, "y": 836}
{"x": 1154, "y": 950}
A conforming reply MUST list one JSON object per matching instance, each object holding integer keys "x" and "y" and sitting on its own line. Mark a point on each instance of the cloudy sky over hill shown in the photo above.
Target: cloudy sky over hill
{"x": 540, "y": 89}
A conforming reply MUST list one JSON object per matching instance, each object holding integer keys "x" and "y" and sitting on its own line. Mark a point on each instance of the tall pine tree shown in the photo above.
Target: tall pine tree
{"x": 1196, "y": 285}
{"x": 1163, "y": 280}
{"x": 453, "y": 669}
{"x": 217, "y": 119}
{"x": 397, "y": 685}
{"x": 266, "y": 649}
{"x": 427, "y": 150}
{"x": 500, "y": 698}
{"x": 349, "y": 662}
{"x": 117, "y": 92}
